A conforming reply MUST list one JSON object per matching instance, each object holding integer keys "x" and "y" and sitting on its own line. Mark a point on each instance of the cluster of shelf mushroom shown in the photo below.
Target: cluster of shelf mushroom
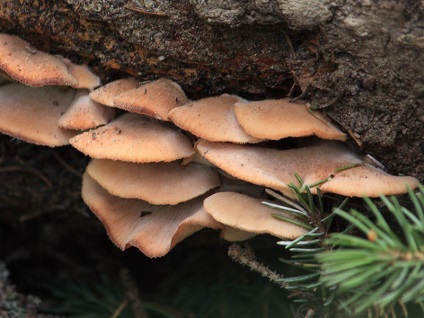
{"x": 165, "y": 167}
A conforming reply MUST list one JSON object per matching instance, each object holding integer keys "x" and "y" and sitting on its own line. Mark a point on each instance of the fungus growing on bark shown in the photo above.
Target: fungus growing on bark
{"x": 277, "y": 119}
{"x": 153, "y": 229}
{"x": 154, "y": 99}
{"x": 26, "y": 64}
{"x": 31, "y": 114}
{"x": 249, "y": 214}
{"x": 212, "y": 119}
{"x": 321, "y": 163}
{"x": 84, "y": 113}
{"x": 156, "y": 183}
{"x": 106, "y": 94}
{"x": 134, "y": 138}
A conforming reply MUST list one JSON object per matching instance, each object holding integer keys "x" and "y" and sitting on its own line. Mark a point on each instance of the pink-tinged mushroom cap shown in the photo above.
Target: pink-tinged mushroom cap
{"x": 212, "y": 119}
{"x": 27, "y": 65}
{"x": 31, "y": 114}
{"x": 325, "y": 160}
{"x": 367, "y": 180}
{"x": 107, "y": 93}
{"x": 85, "y": 78}
{"x": 154, "y": 99}
{"x": 249, "y": 214}
{"x": 134, "y": 138}
{"x": 156, "y": 183}
{"x": 277, "y": 119}
{"x": 153, "y": 229}
{"x": 84, "y": 113}
{"x": 276, "y": 168}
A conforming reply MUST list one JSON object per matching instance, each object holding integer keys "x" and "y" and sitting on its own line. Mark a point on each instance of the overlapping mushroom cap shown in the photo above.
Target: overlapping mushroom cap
{"x": 279, "y": 118}
{"x": 213, "y": 119}
{"x": 154, "y": 99}
{"x": 106, "y": 94}
{"x": 31, "y": 114}
{"x": 84, "y": 77}
{"x": 343, "y": 171}
{"x": 134, "y": 138}
{"x": 156, "y": 183}
{"x": 27, "y": 65}
{"x": 153, "y": 229}
{"x": 84, "y": 113}
{"x": 250, "y": 215}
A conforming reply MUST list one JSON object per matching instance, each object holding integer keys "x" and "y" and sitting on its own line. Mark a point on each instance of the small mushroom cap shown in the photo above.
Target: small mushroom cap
{"x": 325, "y": 160}
{"x": 31, "y": 114}
{"x": 154, "y": 99}
{"x": 27, "y": 65}
{"x": 134, "y": 138}
{"x": 107, "y": 93}
{"x": 156, "y": 183}
{"x": 212, "y": 119}
{"x": 249, "y": 214}
{"x": 367, "y": 180}
{"x": 153, "y": 229}
{"x": 85, "y": 78}
{"x": 84, "y": 113}
{"x": 277, "y": 119}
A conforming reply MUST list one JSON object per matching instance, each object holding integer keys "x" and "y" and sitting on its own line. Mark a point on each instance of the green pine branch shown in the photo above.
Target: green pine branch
{"x": 372, "y": 267}
{"x": 385, "y": 266}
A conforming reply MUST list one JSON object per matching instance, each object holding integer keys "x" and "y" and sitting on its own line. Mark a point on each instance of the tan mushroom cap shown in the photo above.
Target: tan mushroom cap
{"x": 212, "y": 119}
{"x": 276, "y": 168}
{"x": 249, "y": 214}
{"x": 134, "y": 138}
{"x": 156, "y": 183}
{"x": 107, "y": 93}
{"x": 153, "y": 229}
{"x": 84, "y": 113}
{"x": 367, "y": 180}
{"x": 26, "y": 64}
{"x": 85, "y": 78}
{"x": 154, "y": 99}
{"x": 31, "y": 114}
{"x": 277, "y": 119}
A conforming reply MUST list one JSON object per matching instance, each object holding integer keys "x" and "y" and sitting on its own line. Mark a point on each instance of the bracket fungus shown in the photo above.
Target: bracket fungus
{"x": 134, "y": 138}
{"x": 153, "y": 229}
{"x": 84, "y": 113}
{"x": 106, "y": 94}
{"x": 250, "y": 215}
{"x": 322, "y": 163}
{"x": 31, "y": 114}
{"x": 156, "y": 183}
{"x": 84, "y": 77}
{"x": 277, "y": 119}
{"x": 154, "y": 99}
{"x": 31, "y": 108}
{"x": 212, "y": 119}
{"x": 26, "y": 64}
{"x": 137, "y": 184}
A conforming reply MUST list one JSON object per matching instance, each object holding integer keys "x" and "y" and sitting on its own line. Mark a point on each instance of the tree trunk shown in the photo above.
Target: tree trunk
{"x": 360, "y": 61}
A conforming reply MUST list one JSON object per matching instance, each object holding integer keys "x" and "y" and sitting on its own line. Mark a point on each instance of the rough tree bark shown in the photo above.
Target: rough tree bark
{"x": 361, "y": 61}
